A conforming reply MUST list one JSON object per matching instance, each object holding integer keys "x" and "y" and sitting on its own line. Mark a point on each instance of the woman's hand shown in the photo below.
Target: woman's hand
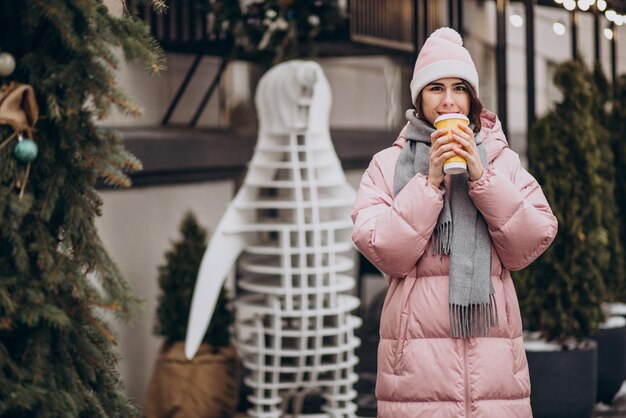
{"x": 466, "y": 147}
{"x": 442, "y": 147}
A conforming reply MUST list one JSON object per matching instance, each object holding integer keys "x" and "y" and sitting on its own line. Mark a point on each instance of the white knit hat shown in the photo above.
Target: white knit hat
{"x": 442, "y": 56}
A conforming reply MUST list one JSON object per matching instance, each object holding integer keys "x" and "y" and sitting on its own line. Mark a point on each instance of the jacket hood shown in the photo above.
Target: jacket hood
{"x": 494, "y": 138}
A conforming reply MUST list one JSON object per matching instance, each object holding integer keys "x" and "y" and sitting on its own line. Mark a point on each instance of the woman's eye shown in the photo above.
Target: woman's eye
{"x": 435, "y": 88}
{"x": 460, "y": 88}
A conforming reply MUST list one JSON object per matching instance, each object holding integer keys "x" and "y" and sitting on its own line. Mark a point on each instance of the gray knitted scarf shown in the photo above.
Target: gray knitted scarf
{"x": 461, "y": 233}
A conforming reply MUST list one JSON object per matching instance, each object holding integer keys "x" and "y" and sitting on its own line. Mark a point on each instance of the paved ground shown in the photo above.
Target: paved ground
{"x": 617, "y": 407}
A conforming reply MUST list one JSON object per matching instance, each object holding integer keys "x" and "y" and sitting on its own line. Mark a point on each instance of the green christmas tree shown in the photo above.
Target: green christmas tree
{"x": 177, "y": 279}
{"x": 57, "y": 354}
{"x": 561, "y": 293}
{"x": 613, "y": 271}
{"x": 618, "y": 132}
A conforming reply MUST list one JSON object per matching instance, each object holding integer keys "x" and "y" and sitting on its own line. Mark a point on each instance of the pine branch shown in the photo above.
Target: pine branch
{"x": 56, "y": 357}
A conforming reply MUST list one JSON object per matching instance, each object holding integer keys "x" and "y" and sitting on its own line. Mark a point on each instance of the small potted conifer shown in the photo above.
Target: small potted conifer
{"x": 617, "y": 125}
{"x": 561, "y": 294}
{"x": 611, "y": 337}
{"x": 206, "y": 386}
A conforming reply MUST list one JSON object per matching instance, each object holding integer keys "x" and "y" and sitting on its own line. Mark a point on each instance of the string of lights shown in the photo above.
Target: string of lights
{"x": 614, "y": 12}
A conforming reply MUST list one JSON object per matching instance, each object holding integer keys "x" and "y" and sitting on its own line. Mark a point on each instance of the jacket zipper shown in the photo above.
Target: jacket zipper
{"x": 467, "y": 391}
{"x": 402, "y": 331}
{"x": 399, "y": 348}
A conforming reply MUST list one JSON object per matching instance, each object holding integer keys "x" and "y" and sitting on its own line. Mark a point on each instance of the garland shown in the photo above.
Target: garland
{"x": 272, "y": 30}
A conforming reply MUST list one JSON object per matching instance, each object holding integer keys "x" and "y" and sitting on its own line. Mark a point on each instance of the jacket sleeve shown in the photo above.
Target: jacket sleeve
{"x": 393, "y": 232}
{"x": 520, "y": 220}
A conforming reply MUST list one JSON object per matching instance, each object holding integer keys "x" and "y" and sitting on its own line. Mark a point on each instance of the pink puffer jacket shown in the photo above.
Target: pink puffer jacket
{"x": 422, "y": 372}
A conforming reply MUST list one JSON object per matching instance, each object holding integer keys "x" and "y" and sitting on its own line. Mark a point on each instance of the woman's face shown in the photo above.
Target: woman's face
{"x": 446, "y": 95}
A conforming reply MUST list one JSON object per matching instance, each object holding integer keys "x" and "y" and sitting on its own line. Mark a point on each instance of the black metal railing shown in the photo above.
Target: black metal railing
{"x": 184, "y": 27}
{"x": 384, "y": 23}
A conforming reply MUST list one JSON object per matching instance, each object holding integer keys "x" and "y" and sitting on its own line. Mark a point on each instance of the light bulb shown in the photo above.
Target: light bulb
{"x": 608, "y": 34}
{"x": 558, "y": 28}
{"x": 610, "y": 14}
{"x": 601, "y": 5}
{"x": 516, "y": 20}
{"x": 569, "y": 4}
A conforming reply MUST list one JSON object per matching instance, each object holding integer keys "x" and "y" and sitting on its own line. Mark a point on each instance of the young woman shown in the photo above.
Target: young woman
{"x": 451, "y": 333}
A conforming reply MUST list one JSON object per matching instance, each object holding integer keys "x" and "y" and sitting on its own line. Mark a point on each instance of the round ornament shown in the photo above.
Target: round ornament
{"x": 7, "y": 64}
{"x": 25, "y": 150}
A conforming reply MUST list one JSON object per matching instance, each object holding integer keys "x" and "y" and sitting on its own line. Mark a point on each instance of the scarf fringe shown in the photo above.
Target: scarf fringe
{"x": 442, "y": 238}
{"x": 473, "y": 320}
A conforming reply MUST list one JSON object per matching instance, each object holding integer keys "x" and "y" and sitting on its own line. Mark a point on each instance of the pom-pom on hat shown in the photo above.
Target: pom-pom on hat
{"x": 442, "y": 56}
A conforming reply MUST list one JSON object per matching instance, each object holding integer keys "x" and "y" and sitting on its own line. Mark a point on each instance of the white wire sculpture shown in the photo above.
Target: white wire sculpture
{"x": 290, "y": 224}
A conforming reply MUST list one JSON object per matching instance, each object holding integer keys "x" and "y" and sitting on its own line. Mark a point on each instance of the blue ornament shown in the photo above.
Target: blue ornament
{"x": 25, "y": 150}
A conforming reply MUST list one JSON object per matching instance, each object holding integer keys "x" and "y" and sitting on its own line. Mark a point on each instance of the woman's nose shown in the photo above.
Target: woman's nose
{"x": 448, "y": 98}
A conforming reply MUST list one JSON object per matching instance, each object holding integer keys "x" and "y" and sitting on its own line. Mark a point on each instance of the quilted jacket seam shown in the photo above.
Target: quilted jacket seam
{"x": 455, "y": 401}
{"x": 439, "y": 193}
{"x": 496, "y": 276}
{"x": 517, "y": 210}
{"x": 448, "y": 338}
{"x": 533, "y": 254}
{"x": 500, "y": 399}
{"x": 437, "y": 401}
{"x": 408, "y": 223}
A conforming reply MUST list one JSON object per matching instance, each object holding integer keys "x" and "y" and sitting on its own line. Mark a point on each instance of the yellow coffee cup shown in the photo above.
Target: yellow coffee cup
{"x": 456, "y": 164}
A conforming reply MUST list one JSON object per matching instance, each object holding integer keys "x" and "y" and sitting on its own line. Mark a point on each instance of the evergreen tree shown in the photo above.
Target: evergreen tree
{"x": 177, "y": 279}
{"x": 57, "y": 354}
{"x": 618, "y": 133}
{"x": 613, "y": 271}
{"x": 561, "y": 293}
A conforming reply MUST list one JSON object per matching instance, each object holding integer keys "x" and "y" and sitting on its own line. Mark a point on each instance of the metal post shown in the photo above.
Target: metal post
{"x": 530, "y": 64}
{"x": 180, "y": 26}
{"x": 501, "y": 6}
{"x": 451, "y": 15}
{"x": 154, "y": 22}
{"x": 596, "y": 33}
{"x": 417, "y": 29}
{"x": 192, "y": 15}
{"x": 166, "y": 27}
{"x": 614, "y": 59}
{"x": 574, "y": 30}
{"x": 426, "y": 20}
{"x": 459, "y": 16}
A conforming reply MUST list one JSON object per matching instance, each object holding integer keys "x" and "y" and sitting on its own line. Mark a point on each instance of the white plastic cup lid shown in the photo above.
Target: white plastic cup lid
{"x": 454, "y": 167}
{"x": 451, "y": 116}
